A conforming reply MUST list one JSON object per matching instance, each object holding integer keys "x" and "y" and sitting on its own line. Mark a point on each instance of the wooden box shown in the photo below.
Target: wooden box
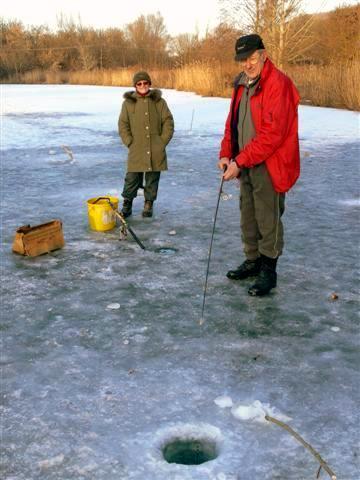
{"x": 34, "y": 241}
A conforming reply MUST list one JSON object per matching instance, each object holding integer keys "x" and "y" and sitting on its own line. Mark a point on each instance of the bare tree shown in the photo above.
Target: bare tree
{"x": 215, "y": 45}
{"x": 87, "y": 39}
{"x": 185, "y": 48}
{"x": 149, "y": 38}
{"x": 338, "y": 35}
{"x": 14, "y": 53}
{"x": 285, "y": 39}
{"x": 114, "y": 48}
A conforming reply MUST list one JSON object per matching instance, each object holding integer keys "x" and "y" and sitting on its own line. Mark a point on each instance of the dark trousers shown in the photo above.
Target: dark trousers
{"x": 134, "y": 181}
{"x": 261, "y": 208}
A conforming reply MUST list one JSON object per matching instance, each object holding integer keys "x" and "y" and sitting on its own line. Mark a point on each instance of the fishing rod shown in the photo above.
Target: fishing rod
{"x": 202, "y": 319}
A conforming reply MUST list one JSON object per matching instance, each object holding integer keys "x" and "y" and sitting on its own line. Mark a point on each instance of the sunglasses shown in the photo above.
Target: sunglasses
{"x": 141, "y": 84}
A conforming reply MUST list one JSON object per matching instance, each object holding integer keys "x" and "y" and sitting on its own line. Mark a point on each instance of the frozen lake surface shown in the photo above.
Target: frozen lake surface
{"x": 103, "y": 359}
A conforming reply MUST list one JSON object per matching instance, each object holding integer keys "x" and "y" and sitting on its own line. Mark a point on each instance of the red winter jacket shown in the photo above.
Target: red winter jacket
{"x": 274, "y": 106}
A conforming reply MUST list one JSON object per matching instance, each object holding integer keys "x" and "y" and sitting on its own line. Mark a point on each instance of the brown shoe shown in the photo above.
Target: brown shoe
{"x": 148, "y": 209}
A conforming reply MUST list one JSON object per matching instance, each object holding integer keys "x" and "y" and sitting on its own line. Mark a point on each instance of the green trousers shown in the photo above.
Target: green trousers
{"x": 134, "y": 181}
{"x": 261, "y": 208}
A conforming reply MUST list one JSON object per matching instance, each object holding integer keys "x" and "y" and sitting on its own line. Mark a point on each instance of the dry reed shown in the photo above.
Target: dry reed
{"x": 328, "y": 86}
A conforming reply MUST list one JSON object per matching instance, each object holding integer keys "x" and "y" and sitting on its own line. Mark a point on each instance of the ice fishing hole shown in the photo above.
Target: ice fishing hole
{"x": 190, "y": 452}
{"x": 166, "y": 250}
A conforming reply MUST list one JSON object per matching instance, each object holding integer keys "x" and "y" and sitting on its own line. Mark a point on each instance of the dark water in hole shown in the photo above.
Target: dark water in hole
{"x": 189, "y": 452}
{"x": 166, "y": 250}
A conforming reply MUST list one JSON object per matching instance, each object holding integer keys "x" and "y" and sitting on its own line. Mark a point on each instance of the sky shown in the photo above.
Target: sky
{"x": 180, "y": 16}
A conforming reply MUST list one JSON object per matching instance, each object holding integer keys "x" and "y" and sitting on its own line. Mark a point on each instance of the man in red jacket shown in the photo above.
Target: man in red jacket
{"x": 261, "y": 146}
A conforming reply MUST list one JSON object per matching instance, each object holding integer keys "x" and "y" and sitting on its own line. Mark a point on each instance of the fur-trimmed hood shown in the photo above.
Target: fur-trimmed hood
{"x": 154, "y": 94}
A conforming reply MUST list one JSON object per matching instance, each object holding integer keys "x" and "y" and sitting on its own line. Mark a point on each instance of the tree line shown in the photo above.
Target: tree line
{"x": 290, "y": 37}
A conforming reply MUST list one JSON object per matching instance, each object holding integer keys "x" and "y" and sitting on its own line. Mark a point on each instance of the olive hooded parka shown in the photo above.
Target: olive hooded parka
{"x": 146, "y": 126}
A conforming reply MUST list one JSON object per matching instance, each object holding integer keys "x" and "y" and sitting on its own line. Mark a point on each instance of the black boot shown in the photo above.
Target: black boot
{"x": 266, "y": 280}
{"x": 148, "y": 209}
{"x": 249, "y": 268}
{"x": 127, "y": 208}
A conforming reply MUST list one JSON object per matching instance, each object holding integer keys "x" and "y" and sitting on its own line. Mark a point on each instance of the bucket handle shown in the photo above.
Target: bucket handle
{"x": 103, "y": 198}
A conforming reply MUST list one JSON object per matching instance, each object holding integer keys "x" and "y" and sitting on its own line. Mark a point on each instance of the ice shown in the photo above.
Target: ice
{"x": 256, "y": 412}
{"x": 223, "y": 401}
{"x": 104, "y": 387}
{"x": 351, "y": 203}
{"x": 51, "y": 462}
{"x": 113, "y": 306}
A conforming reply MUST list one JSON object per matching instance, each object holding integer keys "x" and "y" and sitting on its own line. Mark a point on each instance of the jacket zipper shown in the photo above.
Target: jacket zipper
{"x": 243, "y": 121}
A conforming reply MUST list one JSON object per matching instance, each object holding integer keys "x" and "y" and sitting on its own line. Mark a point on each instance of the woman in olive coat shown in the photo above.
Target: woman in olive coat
{"x": 146, "y": 126}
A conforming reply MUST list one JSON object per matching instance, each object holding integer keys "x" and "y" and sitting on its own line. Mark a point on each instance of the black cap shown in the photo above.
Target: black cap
{"x": 247, "y": 45}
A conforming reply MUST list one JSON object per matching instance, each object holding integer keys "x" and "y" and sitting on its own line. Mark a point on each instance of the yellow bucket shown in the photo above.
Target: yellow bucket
{"x": 101, "y": 216}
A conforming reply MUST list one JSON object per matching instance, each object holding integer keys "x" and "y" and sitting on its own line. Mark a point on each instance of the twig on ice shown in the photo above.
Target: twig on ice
{"x": 68, "y": 151}
{"x": 322, "y": 462}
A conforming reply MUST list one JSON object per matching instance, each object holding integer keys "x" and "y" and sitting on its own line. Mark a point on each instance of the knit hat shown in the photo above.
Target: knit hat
{"x": 247, "y": 45}
{"x": 141, "y": 76}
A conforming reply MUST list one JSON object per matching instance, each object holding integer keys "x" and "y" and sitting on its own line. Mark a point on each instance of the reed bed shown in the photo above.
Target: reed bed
{"x": 334, "y": 85}
{"x": 327, "y": 86}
